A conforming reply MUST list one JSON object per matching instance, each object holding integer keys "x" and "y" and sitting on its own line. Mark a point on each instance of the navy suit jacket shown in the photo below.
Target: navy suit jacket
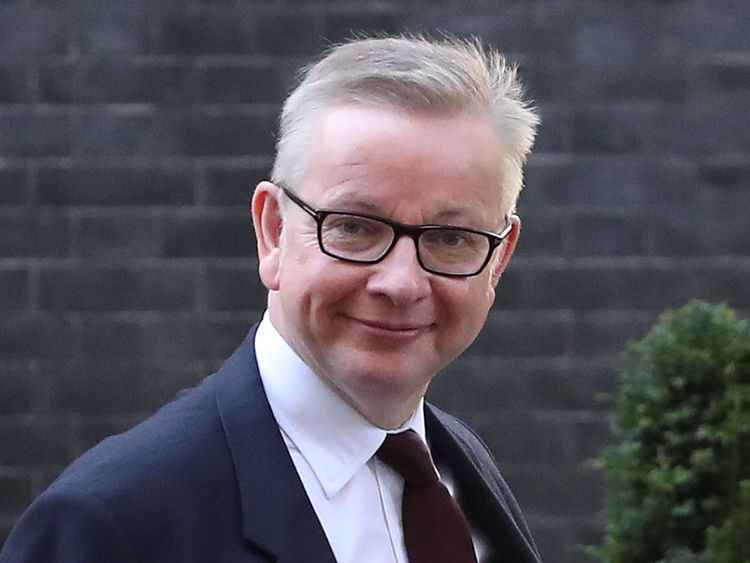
{"x": 209, "y": 478}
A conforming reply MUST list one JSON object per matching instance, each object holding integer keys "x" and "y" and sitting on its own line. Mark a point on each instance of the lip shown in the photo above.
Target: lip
{"x": 391, "y": 328}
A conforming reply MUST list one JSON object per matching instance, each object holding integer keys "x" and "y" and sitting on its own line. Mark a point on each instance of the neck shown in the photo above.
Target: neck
{"x": 387, "y": 412}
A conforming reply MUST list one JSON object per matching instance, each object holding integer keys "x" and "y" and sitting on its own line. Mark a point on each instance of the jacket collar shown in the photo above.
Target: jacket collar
{"x": 484, "y": 493}
{"x": 275, "y": 509}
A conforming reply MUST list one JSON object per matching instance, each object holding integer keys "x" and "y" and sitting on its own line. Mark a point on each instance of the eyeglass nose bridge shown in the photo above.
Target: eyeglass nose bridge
{"x": 400, "y": 231}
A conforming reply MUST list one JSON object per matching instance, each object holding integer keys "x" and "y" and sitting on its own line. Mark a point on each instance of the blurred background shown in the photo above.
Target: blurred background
{"x": 131, "y": 137}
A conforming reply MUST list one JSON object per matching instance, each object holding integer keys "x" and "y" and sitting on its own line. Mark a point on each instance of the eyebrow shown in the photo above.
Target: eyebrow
{"x": 451, "y": 217}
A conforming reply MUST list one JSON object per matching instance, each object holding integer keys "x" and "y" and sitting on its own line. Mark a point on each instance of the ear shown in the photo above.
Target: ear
{"x": 506, "y": 249}
{"x": 267, "y": 222}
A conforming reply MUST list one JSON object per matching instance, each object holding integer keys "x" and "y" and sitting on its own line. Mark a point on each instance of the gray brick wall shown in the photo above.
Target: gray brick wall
{"x": 132, "y": 133}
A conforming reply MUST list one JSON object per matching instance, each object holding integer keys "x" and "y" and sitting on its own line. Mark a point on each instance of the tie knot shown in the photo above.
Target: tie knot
{"x": 406, "y": 453}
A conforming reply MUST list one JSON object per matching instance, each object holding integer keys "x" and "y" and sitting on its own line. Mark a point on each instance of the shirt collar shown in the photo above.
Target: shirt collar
{"x": 335, "y": 440}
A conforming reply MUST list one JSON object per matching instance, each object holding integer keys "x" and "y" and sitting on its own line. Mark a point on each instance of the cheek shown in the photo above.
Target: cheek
{"x": 471, "y": 306}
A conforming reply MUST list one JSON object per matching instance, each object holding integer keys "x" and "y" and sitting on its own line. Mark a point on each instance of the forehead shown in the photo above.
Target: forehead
{"x": 383, "y": 159}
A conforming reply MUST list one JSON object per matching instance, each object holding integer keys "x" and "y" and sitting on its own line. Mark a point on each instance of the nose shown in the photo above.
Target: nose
{"x": 399, "y": 277}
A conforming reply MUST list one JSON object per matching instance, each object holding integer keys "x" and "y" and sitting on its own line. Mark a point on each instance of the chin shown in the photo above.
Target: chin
{"x": 384, "y": 376}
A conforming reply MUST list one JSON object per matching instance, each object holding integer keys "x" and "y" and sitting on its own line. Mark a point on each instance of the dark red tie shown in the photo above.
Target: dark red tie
{"x": 435, "y": 529}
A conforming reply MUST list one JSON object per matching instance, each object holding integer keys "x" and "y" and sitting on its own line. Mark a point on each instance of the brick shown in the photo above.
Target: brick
{"x": 15, "y": 494}
{"x": 27, "y": 133}
{"x": 663, "y": 80}
{"x": 224, "y": 134}
{"x": 724, "y": 181}
{"x": 718, "y": 230}
{"x": 116, "y": 289}
{"x": 510, "y": 334}
{"x": 36, "y": 31}
{"x": 716, "y": 129}
{"x": 208, "y": 235}
{"x": 114, "y": 338}
{"x": 119, "y": 236}
{"x": 609, "y": 181}
{"x": 586, "y": 289}
{"x": 14, "y": 289}
{"x": 557, "y": 489}
{"x": 721, "y": 81}
{"x": 542, "y": 232}
{"x": 607, "y": 235}
{"x": 556, "y": 132}
{"x": 474, "y": 383}
{"x": 563, "y": 539}
{"x": 120, "y": 34}
{"x": 238, "y": 31}
{"x": 27, "y": 233}
{"x": 233, "y": 185}
{"x": 13, "y": 179}
{"x": 606, "y": 334}
{"x": 34, "y": 442}
{"x": 509, "y": 290}
{"x": 591, "y": 436}
{"x": 507, "y": 26}
{"x": 101, "y": 9}
{"x": 26, "y": 338}
{"x": 641, "y": 288}
{"x": 142, "y": 132}
{"x": 198, "y": 339}
{"x": 720, "y": 285}
{"x": 13, "y": 84}
{"x": 616, "y": 36}
{"x": 119, "y": 387}
{"x": 526, "y": 438}
{"x": 57, "y": 82}
{"x": 6, "y": 523}
{"x": 244, "y": 83}
{"x": 138, "y": 131}
{"x": 115, "y": 185}
{"x": 102, "y": 387}
{"x": 570, "y": 388}
{"x": 15, "y": 391}
{"x": 674, "y": 232}
{"x": 707, "y": 27}
{"x": 342, "y": 26}
{"x": 547, "y": 80}
{"x": 630, "y": 128}
{"x": 235, "y": 289}
{"x": 120, "y": 82}
{"x": 180, "y": 338}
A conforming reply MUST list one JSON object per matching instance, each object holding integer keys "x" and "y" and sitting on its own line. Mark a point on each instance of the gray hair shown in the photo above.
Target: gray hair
{"x": 413, "y": 74}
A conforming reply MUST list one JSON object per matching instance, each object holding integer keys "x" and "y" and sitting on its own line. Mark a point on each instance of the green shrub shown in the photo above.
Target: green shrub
{"x": 678, "y": 479}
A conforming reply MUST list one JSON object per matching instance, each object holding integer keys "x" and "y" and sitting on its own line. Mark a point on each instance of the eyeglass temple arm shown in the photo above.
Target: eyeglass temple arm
{"x": 291, "y": 195}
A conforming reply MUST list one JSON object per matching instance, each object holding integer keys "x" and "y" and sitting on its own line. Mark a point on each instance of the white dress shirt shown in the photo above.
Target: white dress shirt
{"x": 356, "y": 497}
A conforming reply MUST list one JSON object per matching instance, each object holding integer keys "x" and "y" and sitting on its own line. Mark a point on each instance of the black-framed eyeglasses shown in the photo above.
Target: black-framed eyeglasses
{"x": 367, "y": 239}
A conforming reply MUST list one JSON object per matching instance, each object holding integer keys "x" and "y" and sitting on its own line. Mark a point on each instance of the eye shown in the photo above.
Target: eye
{"x": 344, "y": 225}
{"x": 351, "y": 226}
{"x": 452, "y": 238}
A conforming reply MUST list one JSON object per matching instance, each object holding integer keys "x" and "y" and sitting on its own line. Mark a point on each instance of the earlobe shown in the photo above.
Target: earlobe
{"x": 506, "y": 250}
{"x": 267, "y": 222}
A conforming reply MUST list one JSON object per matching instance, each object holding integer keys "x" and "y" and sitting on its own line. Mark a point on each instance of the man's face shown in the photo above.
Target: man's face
{"x": 380, "y": 332}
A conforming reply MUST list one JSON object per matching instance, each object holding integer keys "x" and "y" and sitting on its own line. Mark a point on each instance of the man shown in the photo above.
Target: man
{"x": 381, "y": 239}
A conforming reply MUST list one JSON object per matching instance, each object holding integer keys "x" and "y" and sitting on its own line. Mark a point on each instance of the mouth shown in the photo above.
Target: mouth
{"x": 404, "y": 328}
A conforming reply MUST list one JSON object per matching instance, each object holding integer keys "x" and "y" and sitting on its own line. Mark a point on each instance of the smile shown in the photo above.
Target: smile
{"x": 396, "y": 328}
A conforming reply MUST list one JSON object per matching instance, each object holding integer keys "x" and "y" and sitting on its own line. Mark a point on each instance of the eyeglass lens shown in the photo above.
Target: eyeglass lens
{"x": 444, "y": 249}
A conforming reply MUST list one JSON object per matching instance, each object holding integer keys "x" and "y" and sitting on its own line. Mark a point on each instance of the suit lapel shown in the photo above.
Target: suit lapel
{"x": 484, "y": 495}
{"x": 277, "y": 517}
